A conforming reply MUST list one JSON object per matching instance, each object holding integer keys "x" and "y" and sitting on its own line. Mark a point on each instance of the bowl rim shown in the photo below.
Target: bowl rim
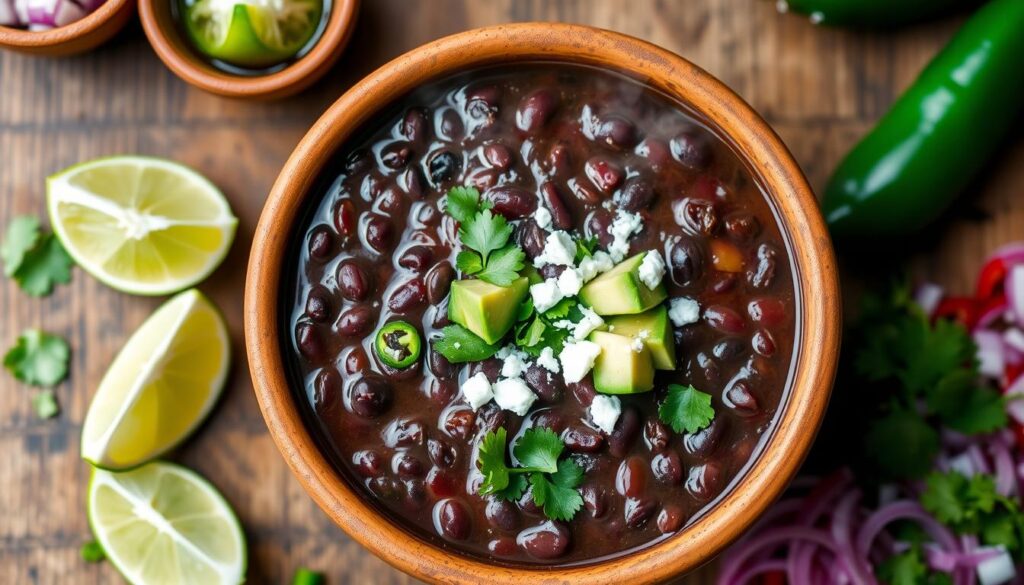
{"x": 177, "y": 56}
{"x": 16, "y": 38}
{"x": 814, "y": 364}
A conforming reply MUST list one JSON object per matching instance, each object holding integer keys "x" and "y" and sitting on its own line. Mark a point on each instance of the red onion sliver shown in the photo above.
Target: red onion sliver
{"x": 1012, "y": 254}
{"x": 1015, "y": 291}
{"x": 1006, "y": 481}
{"x": 991, "y": 352}
{"x": 903, "y": 510}
{"x": 8, "y": 16}
{"x": 928, "y": 296}
{"x": 768, "y": 566}
{"x": 774, "y": 537}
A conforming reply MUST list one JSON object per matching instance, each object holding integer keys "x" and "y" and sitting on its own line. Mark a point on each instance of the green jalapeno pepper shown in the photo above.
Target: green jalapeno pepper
{"x": 398, "y": 344}
{"x": 870, "y": 13}
{"x": 938, "y": 135}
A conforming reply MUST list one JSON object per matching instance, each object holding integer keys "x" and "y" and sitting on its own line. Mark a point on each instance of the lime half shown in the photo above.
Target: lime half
{"x": 252, "y": 33}
{"x": 162, "y": 523}
{"x": 141, "y": 225}
{"x": 160, "y": 387}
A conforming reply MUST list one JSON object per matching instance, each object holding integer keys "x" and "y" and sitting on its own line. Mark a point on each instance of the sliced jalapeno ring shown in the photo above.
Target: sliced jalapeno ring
{"x": 398, "y": 344}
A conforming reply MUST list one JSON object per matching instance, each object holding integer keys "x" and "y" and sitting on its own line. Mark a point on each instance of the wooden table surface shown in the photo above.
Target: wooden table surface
{"x": 821, "y": 89}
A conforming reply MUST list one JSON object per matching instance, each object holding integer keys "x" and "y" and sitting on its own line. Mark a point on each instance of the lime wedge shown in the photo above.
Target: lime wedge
{"x": 141, "y": 225}
{"x": 160, "y": 387}
{"x": 162, "y": 523}
{"x": 252, "y": 33}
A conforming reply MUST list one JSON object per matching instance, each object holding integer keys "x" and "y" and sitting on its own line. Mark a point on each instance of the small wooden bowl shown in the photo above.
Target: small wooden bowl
{"x": 77, "y": 37}
{"x": 817, "y": 292}
{"x": 176, "y": 51}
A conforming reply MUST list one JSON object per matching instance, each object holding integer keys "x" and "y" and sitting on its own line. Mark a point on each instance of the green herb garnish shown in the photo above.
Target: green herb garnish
{"x": 45, "y": 404}
{"x": 554, "y": 482}
{"x": 459, "y": 345}
{"x": 38, "y": 358}
{"x": 305, "y": 576}
{"x": 36, "y": 261}
{"x": 485, "y": 235}
{"x": 92, "y": 552}
{"x": 909, "y": 568}
{"x": 973, "y": 506}
{"x": 686, "y": 409}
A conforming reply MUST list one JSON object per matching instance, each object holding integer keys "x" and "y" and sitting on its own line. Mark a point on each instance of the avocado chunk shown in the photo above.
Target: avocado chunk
{"x": 620, "y": 290}
{"x": 486, "y": 309}
{"x": 620, "y": 368}
{"x": 654, "y": 329}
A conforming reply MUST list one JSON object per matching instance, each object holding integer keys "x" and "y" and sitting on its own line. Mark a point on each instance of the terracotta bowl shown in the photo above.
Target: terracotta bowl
{"x": 818, "y": 299}
{"x": 77, "y": 37}
{"x": 176, "y": 51}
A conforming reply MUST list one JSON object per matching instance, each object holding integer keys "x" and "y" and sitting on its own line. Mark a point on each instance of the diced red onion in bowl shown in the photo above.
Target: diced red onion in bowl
{"x": 7, "y": 15}
{"x": 38, "y": 15}
{"x": 1015, "y": 291}
{"x": 991, "y": 353}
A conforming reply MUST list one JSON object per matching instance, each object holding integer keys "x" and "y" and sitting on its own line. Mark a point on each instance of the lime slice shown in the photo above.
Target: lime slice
{"x": 252, "y": 33}
{"x": 162, "y": 523}
{"x": 160, "y": 387}
{"x": 141, "y": 225}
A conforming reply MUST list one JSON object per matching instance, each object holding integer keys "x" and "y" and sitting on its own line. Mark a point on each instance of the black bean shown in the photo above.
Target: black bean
{"x": 502, "y": 546}
{"x": 595, "y": 500}
{"x": 310, "y": 343}
{"x": 511, "y": 201}
{"x": 451, "y": 519}
{"x": 546, "y": 541}
{"x": 615, "y": 130}
{"x": 318, "y": 304}
{"x": 412, "y": 182}
{"x": 439, "y": 365}
{"x": 386, "y": 488}
{"x": 408, "y": 466}
{"x": 536, "y": 109}
{"x": 438, "y": 281}
{"x": 626, "y": 431}
{"x": 352, "y": 281}
{"x": 724, "y": 319}
{"x": 416, "y": 258}
{"x": 440, "y": 390}
{"x": 667, "y": 467}
{"x": 396, "y": 154}
{"x": 326, "y": 390}
{"x": 415, "y": 493}
{"x": 728, "y": 349}
{"x": 497, "y": 155}
{"x": 391, "y": 202}
{"x": 583, "y": 439}
{"x": 763, "y": 275}
{"x": 358, "y": 161}
{"x": 491, "y": 367}
{"x": 368, "y": 462}
{"x": 369, "y": 396}
{"x": 442, "y": 453}
{"x": 636, "y": 195}
{"x": 560, "y": 216}
{"x": 699, "y": 216}
{"x": 379, "y": 233}
{"x": 355, "y": 321}
{"x": 638, "y": 511}
{"x": 321, "y": 243}
{"x": 631, "y": 477}
{"x": 656, "y": 435}
{"x": 450, "y": 127}
{"x": 670, "y": 519}
{"x": 704, "y": 481}
{"x": 742, "y": 227}
{"x": 686, "y": 260}
{"x": 356, "y": 360}
{"x": 703, "y": 442}
{"x": 440, "y": 318}
{"x": 530, "y": 237}
{"x": 443, "y": 168}
{"x": 408, "y": 297}
{"x": 548, "y": 387}
{"x": 740, "y": 397}
{"x": 502, "y": 514}
{"x": 559, "y": 160}
{"x": 583, "y": 391}
{"x": 345, "y": 217}
{"x": 458, "y": 422}
{"x": 605, "y": 174}
{"x": 549, "y": 419}
{"x": 415, "y": 127}
{"x": 597, "y": 226}
{"x": 763, "y": 343}
{"x": 403, "y": 432}
{"x": 692, "y": 148}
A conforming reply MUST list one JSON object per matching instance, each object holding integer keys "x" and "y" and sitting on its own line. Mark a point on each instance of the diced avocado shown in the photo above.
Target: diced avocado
{"x": 620, "y": 290}
{"x": 658, "y": 337}
{"x": 620, "y": 368}
{"x": 488, "y": 310}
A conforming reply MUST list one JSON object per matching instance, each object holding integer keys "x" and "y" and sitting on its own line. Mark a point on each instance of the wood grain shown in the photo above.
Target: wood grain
{"x": 820, "y": 88}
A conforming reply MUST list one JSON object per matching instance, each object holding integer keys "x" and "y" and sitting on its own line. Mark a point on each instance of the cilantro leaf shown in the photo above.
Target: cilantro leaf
{"x": 503, "y": 266}
{"x": 469, "y": 262}
{"x": 902, "y": 444}
{"x": 984, "y": 412}
{"x": 459, "y": 345}
{"x": 486, "y": 233}
{"x": 561, "y": 309}
{"x": 525, "y": 309}
{"x": 38, "y": 358}
{"x": 907, "y": 568}
{"x": 942, "y": 497}
{"x": 491, "y": 460}
{"x": 304, "y": 576}
{"x": 973, "y": 506}
{"x": 1000, "y": 530}
{"x": 514, "y": 490}
{"x": 585, "y": 248}
{"x": 462, "y": 203}
{"x": 558, "y": 498}
{"x": 21, "y": 236}
{"x": 92, "y": 552}
{"x": 530, "y": 333}
{"x": 47, "y": 263}
{"x": 539, "y": 449}
{"x": 45, "y": 404}
{"x": 686, "y": 409}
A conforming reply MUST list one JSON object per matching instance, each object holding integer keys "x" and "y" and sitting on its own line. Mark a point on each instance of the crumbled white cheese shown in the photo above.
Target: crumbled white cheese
{"x": 513, "y": 365}
{"x": 559, "y": 249}
{"x": 683, "y": 311}
{"x": 563, "y": 324}
{"x": 513, "y": 394}
{"x": 605, "y": 411}
{"x": 547, "y": 360}
{"x": 545, "y": 294}
{"x": 457, "y": 345}
{"x": 623, "y": 227}
{"x": 638, "y": 340}
{"x": 588, "y": 323}
{"x": 652, "y": 269}
{"x": 569, "y": 283}
{"x": 505, "y": 351}
{"x": 477, "y": 390}
{"x": 593, "y": 265}
{"x": 1014, "y": 338}
{"x": 578, "y": 359}
{"x": 543, "y": 218}
{"x": 998, "y": 569}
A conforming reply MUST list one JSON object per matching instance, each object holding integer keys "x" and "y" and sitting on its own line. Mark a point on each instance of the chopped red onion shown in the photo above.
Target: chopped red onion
{"x": 8, "y": 17}
{"x": 1015, "y": 291}
{"x": 991, "y": 352}
{"x": 53, "y": 13}
{"x": 928, "y": 296}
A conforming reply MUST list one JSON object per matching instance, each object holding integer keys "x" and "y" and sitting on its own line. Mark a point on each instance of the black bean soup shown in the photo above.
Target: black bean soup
{"x": 584, "y": 145}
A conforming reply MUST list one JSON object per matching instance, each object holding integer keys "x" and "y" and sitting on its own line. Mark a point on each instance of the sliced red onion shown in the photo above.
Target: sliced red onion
{"x": 978, "y": 459}
{"x": 928, "y": 296}
{"x": 993, "y": 313}
{"x": 90, "y": 5}
{"x": 766, "y": 566}
{"x": 1015, "y": 291}
{"x": 991, "y": 353}
{"x": 21, "y": 10}
{"x": 843, "y": 532}
{"x": 1006, "y": 480}
{"x": 733, "y": 564}
{"x": 1014, "y": 395}
{"x": 903, "y": 510}
{"x": 53, "y": 13}
{"x": 8, "y": 16}
{"x": 1011, "y": 254}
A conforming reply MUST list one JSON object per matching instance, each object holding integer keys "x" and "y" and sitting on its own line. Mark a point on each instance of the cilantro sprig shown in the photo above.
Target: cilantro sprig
{"x": 973, "y": 506}
{"x": 36, "y": 261}
{"x": 554, "y": 481}
{"x": 488, "y": 255}
{"x": 686, "y": 409}
{"x": 925, "y": 375}
{"x": 535, "y": 331}
{"x": 460, "y": 345}
{"x": 38, "y": 358}
{"x": 909, "y": 568}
